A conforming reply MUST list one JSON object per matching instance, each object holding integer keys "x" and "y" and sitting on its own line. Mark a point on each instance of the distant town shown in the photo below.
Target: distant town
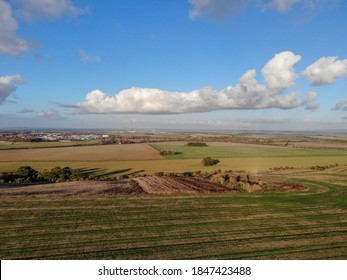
{"x": 122, "y": 137}
{"x": 13, "y": 138}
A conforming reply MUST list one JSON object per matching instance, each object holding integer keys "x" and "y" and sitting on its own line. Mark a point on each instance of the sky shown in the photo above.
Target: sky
{"x": 184, "y": 64}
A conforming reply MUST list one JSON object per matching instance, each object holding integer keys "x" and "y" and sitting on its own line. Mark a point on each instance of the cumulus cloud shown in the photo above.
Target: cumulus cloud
{"x": 47, "y": 114}
{"x": 278, "y": 73}
{"x": 47, "y": 9}
{"x": 312, "y": 106}
{"x": 86, "y": 58}
{"x": 10, "y": 42}
{"x": 7, "y": 85}
{"x": 341, "y": 106}
{"x": 218, "y": 9}
{"x": 326, "y": 70}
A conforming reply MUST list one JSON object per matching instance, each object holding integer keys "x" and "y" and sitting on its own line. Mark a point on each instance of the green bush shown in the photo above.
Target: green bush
{"x": 58, "y": 174}
{"x": 26, "y": 172}
{"x": 167, "y": 152}
{"x": 208, "y": 161}
{"x": 197, "y": 144}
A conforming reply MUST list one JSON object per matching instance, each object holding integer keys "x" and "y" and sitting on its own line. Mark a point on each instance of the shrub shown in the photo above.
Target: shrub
{"x": 26, "y": 172}
{"x": 58, "y": 174}
{"x": 208, "y": 161}
{"x": 159, "y": 173}
{"x": 197, "y": 144}
{"x": 188, "y": 174}
{"x": 167, "y": 152}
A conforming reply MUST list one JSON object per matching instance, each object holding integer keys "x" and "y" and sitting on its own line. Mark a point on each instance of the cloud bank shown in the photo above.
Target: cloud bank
{"x": 326, "y": 70}
{"x": 7, "y": 86}
{"x": 279, "y": 76}
{"x": 10, "y": 42}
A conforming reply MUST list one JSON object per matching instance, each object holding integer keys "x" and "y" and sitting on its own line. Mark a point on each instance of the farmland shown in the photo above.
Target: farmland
{"x": 231, "y": 150}
{"x": 6, "y": 145}
{"x": 105, "y": 160}
{"x": 304, "y": 225}
{"x": 175, "y": 217}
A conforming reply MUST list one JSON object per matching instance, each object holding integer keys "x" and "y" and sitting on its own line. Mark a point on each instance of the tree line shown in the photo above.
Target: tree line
{"x": 26, "y": 174}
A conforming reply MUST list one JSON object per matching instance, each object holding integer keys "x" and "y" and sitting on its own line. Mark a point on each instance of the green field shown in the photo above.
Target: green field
{"x": 305, "y": 225}
{"x": 225, "y": 150}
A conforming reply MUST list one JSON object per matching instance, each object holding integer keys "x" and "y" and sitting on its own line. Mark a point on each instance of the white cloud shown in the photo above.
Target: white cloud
{"x": 86, "y": 58}
{"x": 326, "y": 70}
{"x": 48, "y": 114}
{"x": 10, "y": 42}
{"x": 312, "y": 106}
{"x": 278, "y": 73}
{"x": 47, "y": 9}
{"x": 7, "y": 85}
{"x": 342, "y": 105}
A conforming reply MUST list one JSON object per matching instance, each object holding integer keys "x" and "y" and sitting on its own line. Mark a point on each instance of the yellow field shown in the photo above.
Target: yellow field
{"x": 83, "y": 153}
{"x": 252, "y": 165}
{"x": 108, "y": 160}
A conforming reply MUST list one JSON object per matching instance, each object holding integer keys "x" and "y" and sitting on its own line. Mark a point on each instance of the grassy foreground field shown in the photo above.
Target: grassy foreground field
{"x": 304, "y": 225}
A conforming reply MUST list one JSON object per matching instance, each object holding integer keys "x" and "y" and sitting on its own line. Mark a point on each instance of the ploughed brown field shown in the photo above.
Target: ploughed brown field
{"x": 84, "y": 153}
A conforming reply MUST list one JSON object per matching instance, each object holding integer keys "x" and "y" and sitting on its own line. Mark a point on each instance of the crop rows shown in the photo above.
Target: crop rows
{"x": 305, "y": 225}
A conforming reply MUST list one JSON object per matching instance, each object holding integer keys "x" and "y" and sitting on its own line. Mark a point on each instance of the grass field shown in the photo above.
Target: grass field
{"x": 305, "y": 225}
{"x": 232, "y": 150}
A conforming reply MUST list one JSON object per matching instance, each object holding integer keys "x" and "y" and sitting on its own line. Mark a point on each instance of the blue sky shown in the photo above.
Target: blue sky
{"x": 198, "y": 64}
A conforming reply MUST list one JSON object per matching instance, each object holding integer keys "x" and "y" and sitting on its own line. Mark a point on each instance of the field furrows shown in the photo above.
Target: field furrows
{"x": 310, "y": 225}
{"x": 175, "y": 185}
{"x": 141, "y": 231}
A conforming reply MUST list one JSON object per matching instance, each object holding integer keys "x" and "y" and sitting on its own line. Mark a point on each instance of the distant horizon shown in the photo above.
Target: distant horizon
{"x": 177, "y": 130}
